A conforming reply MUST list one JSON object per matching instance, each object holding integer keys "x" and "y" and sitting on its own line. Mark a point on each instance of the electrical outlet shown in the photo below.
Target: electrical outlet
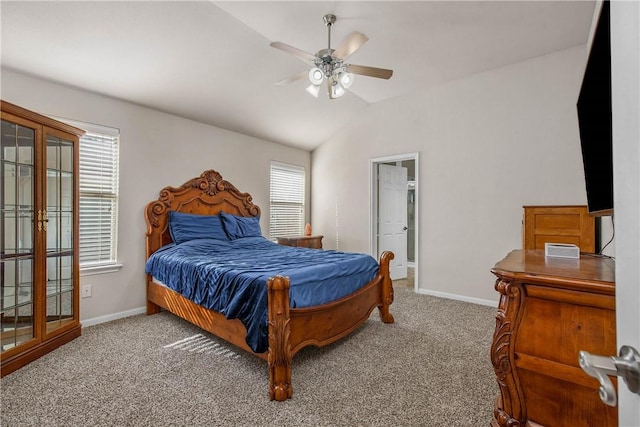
{"x": 86, "y": 291}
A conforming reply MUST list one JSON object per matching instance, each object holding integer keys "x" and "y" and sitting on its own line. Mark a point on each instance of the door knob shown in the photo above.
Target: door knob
{"x": 405, "y": 228}
{"x": 626, "y": 365}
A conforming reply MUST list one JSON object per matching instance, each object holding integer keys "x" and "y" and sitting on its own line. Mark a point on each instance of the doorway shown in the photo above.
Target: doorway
{"x": 408, "y": 253}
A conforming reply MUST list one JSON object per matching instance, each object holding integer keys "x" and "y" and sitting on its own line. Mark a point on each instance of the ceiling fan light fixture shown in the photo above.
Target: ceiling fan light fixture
{"x": 336, "y": 90}
{"x": 346, "y": 80}
{"x": 316, "y": 76}
{"x": 313, "y": 90}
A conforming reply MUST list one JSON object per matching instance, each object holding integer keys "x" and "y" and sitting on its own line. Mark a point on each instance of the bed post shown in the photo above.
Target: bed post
{"x": 387, "y": 288}
{"x": 279, "y": 344}
{"x": 152, "y": 308}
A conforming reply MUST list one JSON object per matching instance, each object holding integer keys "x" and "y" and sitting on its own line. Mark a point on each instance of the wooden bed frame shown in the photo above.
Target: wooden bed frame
{"x": 290, "y": 330}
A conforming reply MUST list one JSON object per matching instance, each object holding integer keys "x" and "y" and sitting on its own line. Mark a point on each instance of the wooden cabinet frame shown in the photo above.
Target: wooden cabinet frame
{"x": 46, "y": 333}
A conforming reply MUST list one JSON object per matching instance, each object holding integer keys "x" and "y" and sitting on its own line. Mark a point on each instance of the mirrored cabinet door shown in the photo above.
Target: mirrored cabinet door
{"x": 17, "y": 203}
{"x": 39, "y": 307}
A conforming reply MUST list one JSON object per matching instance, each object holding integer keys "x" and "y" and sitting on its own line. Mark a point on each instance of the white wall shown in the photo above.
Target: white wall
{"x": 488, "y": 145}
{"x": 156, "y": 150}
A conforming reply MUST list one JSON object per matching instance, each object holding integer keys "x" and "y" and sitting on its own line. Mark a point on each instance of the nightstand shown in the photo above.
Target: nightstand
{"x": 313, "y": 242}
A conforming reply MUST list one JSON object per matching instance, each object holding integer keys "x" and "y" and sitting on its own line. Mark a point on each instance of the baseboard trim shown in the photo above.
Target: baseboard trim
{"x": 457, "y": 297}
{"x": 114, "y": 316}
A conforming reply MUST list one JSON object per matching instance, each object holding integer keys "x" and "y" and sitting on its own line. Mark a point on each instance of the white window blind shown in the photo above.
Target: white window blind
{"x": 287, "y": 200}
{"x": 98, "y": 199}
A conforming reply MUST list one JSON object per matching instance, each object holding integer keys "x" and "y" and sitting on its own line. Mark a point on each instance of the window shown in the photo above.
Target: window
{"x": 98, "y": 197}
{"x": 287, "y": 200}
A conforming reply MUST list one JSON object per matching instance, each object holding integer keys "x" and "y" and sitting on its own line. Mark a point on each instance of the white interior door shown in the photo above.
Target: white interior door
{"x": 625, "y": 91}
{"x": 625, "y": 68}
{"x": 392, "y": 214}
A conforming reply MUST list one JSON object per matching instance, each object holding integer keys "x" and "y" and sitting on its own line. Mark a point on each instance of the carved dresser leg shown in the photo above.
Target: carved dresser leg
{"x": 510, "y": 407}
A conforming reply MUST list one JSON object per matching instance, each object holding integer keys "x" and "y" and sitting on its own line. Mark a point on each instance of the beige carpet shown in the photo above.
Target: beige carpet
{"x": 430, "y": 368}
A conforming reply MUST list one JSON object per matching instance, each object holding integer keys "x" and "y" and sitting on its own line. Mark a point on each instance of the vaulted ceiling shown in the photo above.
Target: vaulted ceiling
{"x": 211, "y": 61}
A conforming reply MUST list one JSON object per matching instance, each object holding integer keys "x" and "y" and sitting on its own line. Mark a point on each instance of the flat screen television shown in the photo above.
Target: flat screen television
{"x": 594, "y": 120}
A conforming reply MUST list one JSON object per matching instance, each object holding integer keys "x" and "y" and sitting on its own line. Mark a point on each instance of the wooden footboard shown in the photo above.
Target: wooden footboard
{"x": 290, "y": 330}
{"x": 324, "y": 324}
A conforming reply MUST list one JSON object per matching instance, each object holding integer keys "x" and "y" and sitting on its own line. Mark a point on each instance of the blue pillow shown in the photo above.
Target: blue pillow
{"x": 184, "y": 227}
{"x": 241, "y": 226}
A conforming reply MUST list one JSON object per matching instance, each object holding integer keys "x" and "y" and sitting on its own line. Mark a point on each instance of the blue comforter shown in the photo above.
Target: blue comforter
{"x": 230, "y": 277}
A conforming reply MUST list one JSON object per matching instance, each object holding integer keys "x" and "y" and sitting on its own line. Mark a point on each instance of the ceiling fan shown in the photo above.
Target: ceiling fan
{"x": 329, "y": 64}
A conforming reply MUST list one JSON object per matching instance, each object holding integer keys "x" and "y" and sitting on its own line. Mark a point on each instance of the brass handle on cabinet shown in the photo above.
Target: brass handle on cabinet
{"x": 43, "y": 219}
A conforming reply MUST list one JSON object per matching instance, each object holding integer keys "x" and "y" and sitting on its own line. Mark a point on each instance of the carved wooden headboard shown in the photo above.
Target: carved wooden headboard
{"x": 207, "y": 194}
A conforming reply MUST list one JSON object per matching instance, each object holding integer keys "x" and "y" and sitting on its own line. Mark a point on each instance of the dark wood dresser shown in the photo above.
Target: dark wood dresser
{"x": 313, "y": 242}
{"x": 549, "y": 310}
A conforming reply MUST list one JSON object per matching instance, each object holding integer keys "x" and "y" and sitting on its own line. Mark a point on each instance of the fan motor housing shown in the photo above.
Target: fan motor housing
{"x": 326, "y": 55}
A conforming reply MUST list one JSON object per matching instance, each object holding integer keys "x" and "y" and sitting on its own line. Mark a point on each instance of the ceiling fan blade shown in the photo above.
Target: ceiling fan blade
{"x": 380, "y": 73}
{"x": 349, "y": 45}
{"x": 294, "y": 51}
{"x": 293, "y": 78}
